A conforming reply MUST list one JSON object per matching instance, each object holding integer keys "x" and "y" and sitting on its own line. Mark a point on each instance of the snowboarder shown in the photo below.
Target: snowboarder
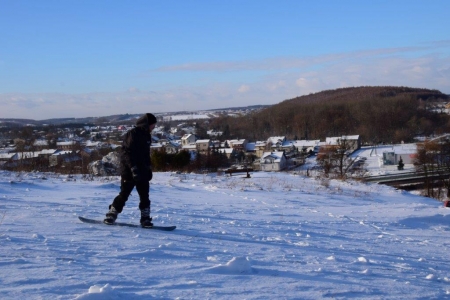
{"x": 136, "y": 170}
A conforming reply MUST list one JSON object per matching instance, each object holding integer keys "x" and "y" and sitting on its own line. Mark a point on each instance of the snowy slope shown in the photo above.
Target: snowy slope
{"x": 273, "y": 236}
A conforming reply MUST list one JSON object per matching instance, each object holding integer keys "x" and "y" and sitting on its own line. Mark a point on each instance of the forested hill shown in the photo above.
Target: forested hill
{"x": 377, "y": 114}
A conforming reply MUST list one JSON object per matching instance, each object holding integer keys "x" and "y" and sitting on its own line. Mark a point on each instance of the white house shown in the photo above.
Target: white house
{"x": 203, "y": 145}
{"x": 214, "y": 133}
{"x": 306, "y": 145}
{"x": 188, "y": 139}
{"x": 229, "y": 152}
{"x": 156, "y": 146}
{"x": 192, "y": 148}
{"x": 273, "y": 161}
{"x": 238, "y": 144}
{"x": 407, "y": 152}
{"x": 353, "y": 141}
{"x": 40, "y": 144}
{"x": 66, "y": 145}
{"x": 260, "y": 147}
{"x": 276, "y": 141}
{"x": 171, "y": 147}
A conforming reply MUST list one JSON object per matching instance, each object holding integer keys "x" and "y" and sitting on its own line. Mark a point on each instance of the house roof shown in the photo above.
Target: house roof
{"x": 335, "y": 140}
{"x": 62, "y": 152}
{"x": 189, "y": 147}
{"x": 276, "y": 139}
{"x": 202, "y": 141}
{"x": 172, "y": 144}
{"x": 250, "y": 146}
{"x": 306, "y": 143}
{"x": 47, "y": 151}
{"x": 404, "y": 149}
{"x": 40, "y": 143}
{"x": 275, "y": 155}
{"x": 6, "y": 155}
{"x": 156, "y": 145}
{"x": 66, "y": 143}
{"x": 226, "y": 150}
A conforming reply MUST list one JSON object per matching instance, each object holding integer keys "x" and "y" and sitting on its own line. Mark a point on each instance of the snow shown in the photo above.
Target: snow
{"x": 274, "y": 235}
{"x": 373, "y": 159}
{"x": 183, "y": 117}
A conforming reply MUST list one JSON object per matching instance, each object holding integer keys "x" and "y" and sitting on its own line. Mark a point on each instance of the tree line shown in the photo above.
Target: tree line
{"x": 377, "y": 114}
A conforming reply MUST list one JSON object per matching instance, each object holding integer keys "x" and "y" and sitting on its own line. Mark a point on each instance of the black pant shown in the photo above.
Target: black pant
{"x": 126, "y": 186}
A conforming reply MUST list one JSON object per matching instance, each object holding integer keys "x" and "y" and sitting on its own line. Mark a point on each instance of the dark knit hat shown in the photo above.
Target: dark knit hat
{"x": 151, "y": 119}
{"x": 146, "y": 120}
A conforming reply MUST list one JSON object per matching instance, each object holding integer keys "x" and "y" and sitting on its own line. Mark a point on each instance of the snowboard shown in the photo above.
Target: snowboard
{"x": 92, "y": 221}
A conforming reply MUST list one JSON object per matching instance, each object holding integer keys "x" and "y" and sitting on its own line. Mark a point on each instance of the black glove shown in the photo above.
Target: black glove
{"x": 135, "y": 173}
{"x": 150, "y": 173}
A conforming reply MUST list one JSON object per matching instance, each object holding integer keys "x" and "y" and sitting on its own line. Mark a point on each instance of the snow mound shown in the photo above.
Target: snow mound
{"x": 237, "y": 265}
{"x": 97, "y": 292}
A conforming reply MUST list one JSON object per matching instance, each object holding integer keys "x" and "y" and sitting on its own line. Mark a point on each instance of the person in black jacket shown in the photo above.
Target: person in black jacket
{"x": 136, "y": 170}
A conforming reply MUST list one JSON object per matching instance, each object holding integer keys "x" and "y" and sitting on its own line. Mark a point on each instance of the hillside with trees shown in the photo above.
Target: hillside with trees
{"x": 378, "y": 114}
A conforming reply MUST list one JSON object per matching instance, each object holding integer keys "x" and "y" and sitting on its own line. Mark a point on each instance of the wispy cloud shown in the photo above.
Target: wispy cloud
{"x": 287, "y": 63}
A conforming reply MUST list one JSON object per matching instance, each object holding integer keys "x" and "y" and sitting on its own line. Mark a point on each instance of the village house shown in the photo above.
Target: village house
{"x": 260, "y": 148}
{"x": 93, "y": 144}
{"x": 305, "y": 146}
{"x": 66, "y": 145}
{"x": 40, "y": 144}
{"x": 237, "y": 144}
{"x": 8, "y": 159}
{"x": 214, "y": 133}
{"x": 187, "y": 129}
{"x": 273, "y": 161}
{"x": 275, "y": 142}
{"x": 250, "y": 149}
{"x": 229, "y": 152}
{"x": 203, "y": 146}
{"x": 406, "y": 152}
{"x": 171, "y": 147}
{"x": 191, "y": 148}
{"x": 187, "y": 139}
{"x": 26, "y": 158}
{"x": 353, "y": 142}
{"x": 63, "y": 158}
{"x": 156, "y": 146}
{"x": 45, "y": 153}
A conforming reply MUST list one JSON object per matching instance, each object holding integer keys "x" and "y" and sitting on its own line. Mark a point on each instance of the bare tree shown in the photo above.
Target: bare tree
{"x": 433, "y": 161}
{"x": 334, "y": 158}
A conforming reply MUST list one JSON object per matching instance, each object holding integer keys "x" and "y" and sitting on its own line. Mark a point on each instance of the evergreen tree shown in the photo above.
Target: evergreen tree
{"x": 400, "y": 164}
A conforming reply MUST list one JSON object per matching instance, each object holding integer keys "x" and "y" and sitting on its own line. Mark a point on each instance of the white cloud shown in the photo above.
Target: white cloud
{"x": 277, "y": 85}
{"x": 244, "y": 88}
{"x": 287, "y": 63}
{"x": 301, "y": 82}
{"x": 133, "y": 90}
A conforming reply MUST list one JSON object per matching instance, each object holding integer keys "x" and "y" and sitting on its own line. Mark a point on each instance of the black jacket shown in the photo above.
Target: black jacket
{"x": 136, "y": 148}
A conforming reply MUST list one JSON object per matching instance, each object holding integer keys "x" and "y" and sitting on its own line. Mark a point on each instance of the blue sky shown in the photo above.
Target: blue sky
{"x": 94, "y": 58}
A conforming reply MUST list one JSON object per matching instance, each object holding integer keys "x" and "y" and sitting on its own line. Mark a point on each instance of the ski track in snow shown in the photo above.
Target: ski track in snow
{"x": 273, "y": 235}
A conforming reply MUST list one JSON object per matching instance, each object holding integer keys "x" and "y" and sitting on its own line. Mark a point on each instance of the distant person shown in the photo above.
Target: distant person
{"x": 136, "y": 170}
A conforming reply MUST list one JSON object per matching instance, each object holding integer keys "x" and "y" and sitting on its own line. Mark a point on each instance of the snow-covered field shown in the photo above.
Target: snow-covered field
{"x": 184, "y": 117}
{"x": 272, "y": 236}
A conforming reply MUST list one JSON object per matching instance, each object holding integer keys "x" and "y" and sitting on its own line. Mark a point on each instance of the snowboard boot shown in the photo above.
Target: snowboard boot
{"x": 146, "y": 221}
{"x": 111, "y": 216}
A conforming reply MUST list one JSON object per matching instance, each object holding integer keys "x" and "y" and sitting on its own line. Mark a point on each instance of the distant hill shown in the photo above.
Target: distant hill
{"x": 114, "y": 119}
{"x": 378, "y": 114}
